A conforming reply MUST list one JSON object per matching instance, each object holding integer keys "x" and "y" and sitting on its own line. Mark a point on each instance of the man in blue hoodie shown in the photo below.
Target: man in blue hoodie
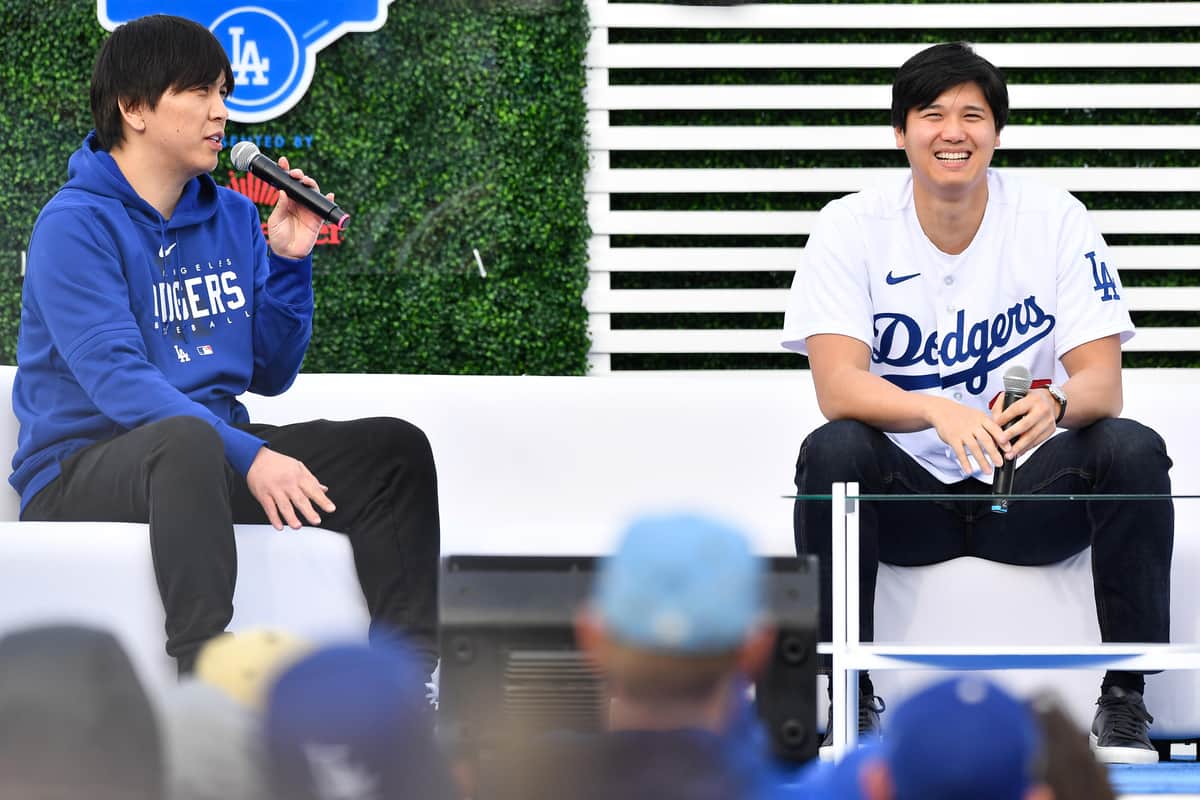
{"x": 151, "y": 301}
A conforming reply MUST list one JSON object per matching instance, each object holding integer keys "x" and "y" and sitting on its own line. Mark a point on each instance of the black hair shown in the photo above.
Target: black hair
{"x": 144, "y": 58}
{"x": 923, "y": 78}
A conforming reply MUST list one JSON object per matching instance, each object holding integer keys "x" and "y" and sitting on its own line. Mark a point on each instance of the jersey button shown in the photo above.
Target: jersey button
{"x": 948, "y": 280}
{"x": 958, "y": 396}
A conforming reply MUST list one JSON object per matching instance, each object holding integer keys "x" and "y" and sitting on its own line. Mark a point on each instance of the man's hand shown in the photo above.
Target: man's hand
{"x": 968, "y": 430}
{"x": 282, "y": 486}
{"x": 292, "y": 229}
{"x": 1037, "y": 411}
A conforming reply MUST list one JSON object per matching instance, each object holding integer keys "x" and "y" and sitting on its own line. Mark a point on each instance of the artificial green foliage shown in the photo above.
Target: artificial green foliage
{"x": 458, "y": 126}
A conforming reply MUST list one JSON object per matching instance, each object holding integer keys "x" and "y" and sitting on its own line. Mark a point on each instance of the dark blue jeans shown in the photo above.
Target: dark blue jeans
{"x": 1131, "y": 540}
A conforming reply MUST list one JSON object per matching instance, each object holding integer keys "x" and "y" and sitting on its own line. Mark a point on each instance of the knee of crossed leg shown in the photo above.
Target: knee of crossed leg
{"x": 405, "y": 442}
{"x": 186, "y": 447}
{"x": 1135, "y": 455}
{"x": 842, "y": 450}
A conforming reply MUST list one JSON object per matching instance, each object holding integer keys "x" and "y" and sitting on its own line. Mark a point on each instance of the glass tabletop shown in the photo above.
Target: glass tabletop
{"x": 989, "y": 496}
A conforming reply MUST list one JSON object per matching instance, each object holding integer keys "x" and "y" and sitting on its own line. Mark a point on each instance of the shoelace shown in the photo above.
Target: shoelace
{"x": 1127, "y": 717}
{"x": 866, "y": 705}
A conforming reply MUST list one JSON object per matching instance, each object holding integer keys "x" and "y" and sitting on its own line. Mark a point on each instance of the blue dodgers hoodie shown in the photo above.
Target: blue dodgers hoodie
{"x": 128, "y": 318}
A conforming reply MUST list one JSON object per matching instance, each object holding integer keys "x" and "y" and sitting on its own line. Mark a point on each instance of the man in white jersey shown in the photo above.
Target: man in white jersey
{"x": 912, "y": 301}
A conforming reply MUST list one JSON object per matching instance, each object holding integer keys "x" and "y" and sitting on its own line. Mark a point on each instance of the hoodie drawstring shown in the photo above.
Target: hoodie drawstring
{"x": 166, "y": 252}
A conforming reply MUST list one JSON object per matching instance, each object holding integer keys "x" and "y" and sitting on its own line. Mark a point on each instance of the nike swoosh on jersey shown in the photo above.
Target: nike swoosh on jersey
{"x": 893, "y": 280}
{"x": 164, "y": 254}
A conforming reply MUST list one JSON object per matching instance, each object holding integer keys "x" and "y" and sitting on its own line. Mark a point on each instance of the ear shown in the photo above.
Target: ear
{"x": 876, "y": 782}
{"x": 132, "y": 115}
{"x": 589, "y": 634}
{"x": 1039, "y": 791}
{"x": 756, "y": 652}
{"x": 899, "y": 138}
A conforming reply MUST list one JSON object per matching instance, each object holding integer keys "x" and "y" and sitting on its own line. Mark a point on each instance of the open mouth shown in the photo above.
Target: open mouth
{"x": 952, "y": 157}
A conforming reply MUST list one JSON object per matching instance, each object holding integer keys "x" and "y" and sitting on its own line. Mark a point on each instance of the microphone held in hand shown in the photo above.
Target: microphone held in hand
{"x": 247, "y": 158}
{"x": 1017, "y": 381}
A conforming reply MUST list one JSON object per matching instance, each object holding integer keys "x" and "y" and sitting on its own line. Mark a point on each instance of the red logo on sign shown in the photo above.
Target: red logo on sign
{"x": 264, "y": 194}
{"x": 254, "y": 187}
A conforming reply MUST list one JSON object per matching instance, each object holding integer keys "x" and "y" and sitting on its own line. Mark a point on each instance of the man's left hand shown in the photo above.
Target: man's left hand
{"x": 292, "y": 229}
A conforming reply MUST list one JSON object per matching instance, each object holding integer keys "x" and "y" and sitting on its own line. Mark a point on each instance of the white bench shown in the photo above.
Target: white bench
{"x": 557, "y": 465}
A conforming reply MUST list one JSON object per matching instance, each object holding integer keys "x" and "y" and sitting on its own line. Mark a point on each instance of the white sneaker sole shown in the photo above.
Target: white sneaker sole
{"x": 1122, "y": 755}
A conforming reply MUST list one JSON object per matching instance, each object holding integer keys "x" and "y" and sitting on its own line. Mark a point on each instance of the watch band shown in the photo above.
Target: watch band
{"x": 1056, "y": 392}
{"x": 1059, "y": 395}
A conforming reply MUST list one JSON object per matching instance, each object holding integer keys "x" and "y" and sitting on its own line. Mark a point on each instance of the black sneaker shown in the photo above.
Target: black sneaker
{"x": 869, "y": 709}
{"x": 1121, "y": 729}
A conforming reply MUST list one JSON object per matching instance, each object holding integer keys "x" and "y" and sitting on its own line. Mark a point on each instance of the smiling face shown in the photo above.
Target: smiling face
{"x": 949, "y": 143}
{"x": 183, "y": 132}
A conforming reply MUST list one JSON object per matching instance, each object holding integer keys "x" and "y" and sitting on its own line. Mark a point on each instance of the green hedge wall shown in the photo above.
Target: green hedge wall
{"x": 457, "y": 126}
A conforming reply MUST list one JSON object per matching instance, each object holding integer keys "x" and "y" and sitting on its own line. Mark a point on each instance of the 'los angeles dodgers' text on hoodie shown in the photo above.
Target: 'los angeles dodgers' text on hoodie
{"x": 128, "y": 318}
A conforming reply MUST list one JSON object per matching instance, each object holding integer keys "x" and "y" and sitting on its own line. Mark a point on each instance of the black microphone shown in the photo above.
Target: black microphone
{"x": 1017, "y": 381}
{"x": 246, "y": 157}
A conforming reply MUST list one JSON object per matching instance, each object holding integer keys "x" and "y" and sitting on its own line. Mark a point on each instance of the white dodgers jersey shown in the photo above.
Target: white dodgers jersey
{"x": 1036, "y": 281}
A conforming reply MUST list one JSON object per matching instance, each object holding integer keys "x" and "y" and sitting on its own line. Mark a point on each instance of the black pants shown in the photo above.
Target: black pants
{"x": 1131, "y": 540}
{"x": 173, "y": 475}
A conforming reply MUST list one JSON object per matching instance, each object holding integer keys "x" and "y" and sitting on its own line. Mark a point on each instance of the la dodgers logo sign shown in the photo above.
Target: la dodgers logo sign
{"x": 272, "y": 45}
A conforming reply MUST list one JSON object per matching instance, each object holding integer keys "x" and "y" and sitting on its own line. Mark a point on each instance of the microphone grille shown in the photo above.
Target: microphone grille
{"x": 242, "y": 154}
{"x": 1017, "y": 379}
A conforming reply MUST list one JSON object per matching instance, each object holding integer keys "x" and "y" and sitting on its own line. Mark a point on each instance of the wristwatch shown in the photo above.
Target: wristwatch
{"x": 1058, "y": 394}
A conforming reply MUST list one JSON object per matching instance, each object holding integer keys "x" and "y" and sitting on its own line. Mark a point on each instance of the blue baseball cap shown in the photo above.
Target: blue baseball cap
{"x": 680, "y": 583}
{"x": 963, "y": 737}
{"x": 352, "y": 721}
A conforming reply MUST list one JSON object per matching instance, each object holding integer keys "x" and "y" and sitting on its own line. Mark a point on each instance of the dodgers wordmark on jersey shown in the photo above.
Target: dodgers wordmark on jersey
{"x": 1036, "y": 281}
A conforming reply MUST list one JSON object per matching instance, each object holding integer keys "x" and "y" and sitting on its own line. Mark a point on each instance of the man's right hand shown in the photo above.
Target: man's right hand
{"x": 283, "y": 486}
{"x": 968, "y": 430}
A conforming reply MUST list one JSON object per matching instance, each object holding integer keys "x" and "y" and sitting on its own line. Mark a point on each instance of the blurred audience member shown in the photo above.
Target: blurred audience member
{"x": 1072, "y": 770}
{"x": 962, "y": 738}
{"x": 351, "y": 722}
{"x": 860, "y": 775}
{"x": 243, "y": 665}
{"x": 75, "y": 721}
{"x": 213, "y": 745}
{"x": 676, "y": 625}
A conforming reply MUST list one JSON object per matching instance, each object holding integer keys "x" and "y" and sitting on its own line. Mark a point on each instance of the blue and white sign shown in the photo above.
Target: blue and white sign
{"x": 272, "y": 45}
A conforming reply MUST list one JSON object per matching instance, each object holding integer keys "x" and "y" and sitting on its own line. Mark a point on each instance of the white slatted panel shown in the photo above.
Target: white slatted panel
{"x": 896, "y": 15}
{"x": 693, "y": 301}
{"x": 604, "y": 138}
{"x": 1069, "y": 55}
{"x": 878, "y": 96}
{"x": 770, "y": 259}
{"x": 1072, "y": 179}
{"x": 788, "y": 223}
{"x": 1150, "y": 340}
{"x": 881, "y": 137}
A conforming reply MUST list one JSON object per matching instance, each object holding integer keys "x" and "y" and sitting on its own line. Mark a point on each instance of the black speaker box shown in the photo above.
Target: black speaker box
{"x": 510, "y": 666}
